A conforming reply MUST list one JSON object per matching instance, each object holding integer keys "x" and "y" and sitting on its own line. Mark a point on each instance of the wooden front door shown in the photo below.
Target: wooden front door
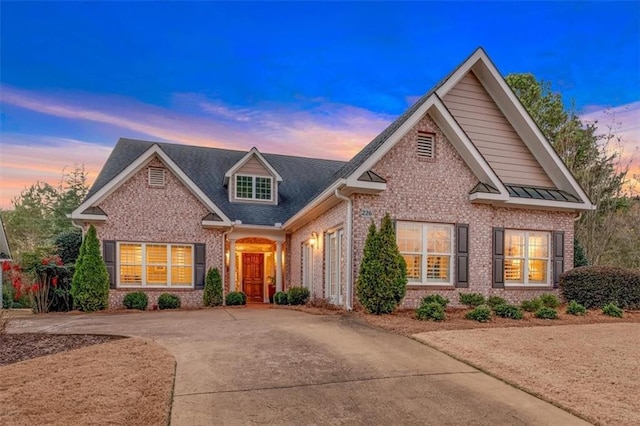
{"x": 253, "y": 276}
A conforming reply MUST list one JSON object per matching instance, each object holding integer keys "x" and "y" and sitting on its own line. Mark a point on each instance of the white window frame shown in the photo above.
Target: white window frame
{"x": 425, "y": 254}
{"x": 307, "y": 266}
{"x": 526, "y": 259}
{"x": 338, "y": 235}
{"x": 254, "y": 180}
{"x": 144, "y": 265}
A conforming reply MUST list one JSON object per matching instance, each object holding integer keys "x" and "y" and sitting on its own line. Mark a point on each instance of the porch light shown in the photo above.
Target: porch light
{"x": 314, "y": 238}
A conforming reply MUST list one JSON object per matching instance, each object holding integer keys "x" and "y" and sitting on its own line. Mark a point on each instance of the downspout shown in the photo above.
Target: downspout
{"x": 349, "y": 248}
{"x": 224, "y": 260}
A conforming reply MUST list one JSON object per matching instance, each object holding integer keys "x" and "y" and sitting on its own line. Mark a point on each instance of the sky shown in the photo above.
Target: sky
{"x": 309, "y": 79}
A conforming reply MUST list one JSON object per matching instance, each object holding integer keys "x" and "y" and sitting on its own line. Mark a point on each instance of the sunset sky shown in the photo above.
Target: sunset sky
{"x": 311, "y": 79}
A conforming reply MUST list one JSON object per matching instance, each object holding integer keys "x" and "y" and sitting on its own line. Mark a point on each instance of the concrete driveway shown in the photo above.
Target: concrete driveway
{"x": 276, "y": 366}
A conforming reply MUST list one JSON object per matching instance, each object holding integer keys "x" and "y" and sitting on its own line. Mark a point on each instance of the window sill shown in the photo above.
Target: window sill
{"x": 528, "y": 287}
{"x": 422, "y": 286}
{"x": 148, "y": 288}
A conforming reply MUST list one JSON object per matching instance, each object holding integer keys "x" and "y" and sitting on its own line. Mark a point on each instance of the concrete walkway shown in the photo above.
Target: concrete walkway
{"x": 275, "y": 366}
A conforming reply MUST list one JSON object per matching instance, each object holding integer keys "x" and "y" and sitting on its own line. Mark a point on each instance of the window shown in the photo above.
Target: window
{"x": 334, "y": 266}
{"x": 254, "y": 187}
{"x": 426, "y": 145}
{"x": 155, "y": 265}
{"x": 428, "y": 251}
{"x": 156, "y": 176}
{"x": 526, "y": 257}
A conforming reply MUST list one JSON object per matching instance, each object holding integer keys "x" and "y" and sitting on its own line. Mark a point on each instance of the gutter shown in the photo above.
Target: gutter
{"x": 349, "y": 227}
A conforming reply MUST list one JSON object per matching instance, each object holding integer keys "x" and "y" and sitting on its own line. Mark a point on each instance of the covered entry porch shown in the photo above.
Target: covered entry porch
{"x": 255, "y": 262}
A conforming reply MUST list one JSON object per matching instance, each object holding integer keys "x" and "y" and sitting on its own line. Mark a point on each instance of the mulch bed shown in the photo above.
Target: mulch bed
{"x": 20, "y": 347}
{"x": 405, "y": 321}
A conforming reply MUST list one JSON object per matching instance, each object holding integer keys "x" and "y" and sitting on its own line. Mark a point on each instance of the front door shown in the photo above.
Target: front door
{"x": 253, "y": 276}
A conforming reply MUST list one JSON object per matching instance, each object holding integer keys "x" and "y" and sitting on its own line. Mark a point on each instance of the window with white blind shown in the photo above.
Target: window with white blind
{"x": 155, "y": 265}
{"x": 526, "y": 257}
{"x": 427, "y": 248}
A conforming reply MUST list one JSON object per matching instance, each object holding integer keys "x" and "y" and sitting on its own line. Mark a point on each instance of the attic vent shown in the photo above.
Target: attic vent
{"x": 425, "y": 146}
{"x": 156, "y": 176}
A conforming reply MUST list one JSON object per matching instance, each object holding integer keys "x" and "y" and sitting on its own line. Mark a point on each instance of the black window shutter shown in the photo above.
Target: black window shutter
{"x": 109, "y": 256}
{"x": 498, "y": 257}
{"x": 462, "y": 255}
{"x": 199, "y": 265}
{"x": 558, "y": 257}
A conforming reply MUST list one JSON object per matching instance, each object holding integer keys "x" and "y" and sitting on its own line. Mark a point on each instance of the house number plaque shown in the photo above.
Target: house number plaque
{"x": 366, "y": 213}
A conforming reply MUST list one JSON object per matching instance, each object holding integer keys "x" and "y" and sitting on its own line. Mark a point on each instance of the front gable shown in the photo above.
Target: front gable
{"x": 152, "y": 165}
{"x": 253, "y": 179}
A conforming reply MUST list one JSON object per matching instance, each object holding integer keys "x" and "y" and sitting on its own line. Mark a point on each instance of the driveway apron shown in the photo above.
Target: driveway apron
{"x": 278, "y": 366}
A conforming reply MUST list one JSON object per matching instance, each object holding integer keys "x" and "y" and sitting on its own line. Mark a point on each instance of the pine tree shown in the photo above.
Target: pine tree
{"x": 212, "y": 295}
{"x": 90, "y": 284}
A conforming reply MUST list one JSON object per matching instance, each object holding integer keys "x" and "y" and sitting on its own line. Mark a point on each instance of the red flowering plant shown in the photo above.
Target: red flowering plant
{"x": 14, "y": 285}
{"x": 46, "y": 273}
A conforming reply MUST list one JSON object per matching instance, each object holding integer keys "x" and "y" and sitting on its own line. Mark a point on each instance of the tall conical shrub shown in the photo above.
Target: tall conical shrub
{"x": 212, "y": 295}
{"x": 381, "y": 283}
{"x": 90, "y": 284}
{"x": 394, "y": 268}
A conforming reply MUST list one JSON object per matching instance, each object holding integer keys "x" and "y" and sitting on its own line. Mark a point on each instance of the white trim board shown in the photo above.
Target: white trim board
{"x": 252, "y": 152}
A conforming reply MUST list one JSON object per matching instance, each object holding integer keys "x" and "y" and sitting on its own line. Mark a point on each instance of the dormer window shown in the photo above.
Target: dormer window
{"x": 254, "y": 188}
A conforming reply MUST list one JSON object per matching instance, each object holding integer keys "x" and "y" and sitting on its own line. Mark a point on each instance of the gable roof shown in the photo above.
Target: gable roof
{"x": 515, "y": 113}
{"x": 301, "y": 177}
{"x": 252, "y": 153}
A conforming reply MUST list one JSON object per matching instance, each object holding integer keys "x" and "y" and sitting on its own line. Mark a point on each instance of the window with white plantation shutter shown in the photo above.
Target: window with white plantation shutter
{"x": 156, "y": 176}
{"x": 426, "y": 145}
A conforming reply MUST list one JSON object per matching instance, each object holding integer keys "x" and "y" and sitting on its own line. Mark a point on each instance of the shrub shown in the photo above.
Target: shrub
{"x": 432, "y": 311}
{"x": 298, "y": 295}
{"x": 612, "y": 310}
{"x": 549, "y": 300}
{"x": 574, "y": 308}
{"x": 136, "y": 300}
{"x": 168, "y": 301}
{"x": 472, "y": 299}
{"x": 509, "y": 311}
{"x": 481, "y": 313}
{"x": 546, "y": 313}
{"x": 236, "y": 298}
{"x": 495, "y": 301}
{"x": 90, "y": 283}
{"x": 382, "y": 280}
{"x": 281, "y": 298}
{"x": 68, "y": 245}
{"x": 596, "y": 286}
{"x": 531, "y": 305}
{"x": 212, "y": 295}
{"x": 442, "y": 301}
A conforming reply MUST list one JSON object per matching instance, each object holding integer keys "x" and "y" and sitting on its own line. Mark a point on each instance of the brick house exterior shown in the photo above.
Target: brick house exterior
{"x": 480, "y": 200}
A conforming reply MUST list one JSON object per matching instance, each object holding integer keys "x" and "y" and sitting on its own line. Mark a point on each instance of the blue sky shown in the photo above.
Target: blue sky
{"x": 317, "y": 79}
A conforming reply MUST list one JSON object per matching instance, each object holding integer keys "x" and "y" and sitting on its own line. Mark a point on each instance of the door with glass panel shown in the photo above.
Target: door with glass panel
{"x": 334, "y": 266}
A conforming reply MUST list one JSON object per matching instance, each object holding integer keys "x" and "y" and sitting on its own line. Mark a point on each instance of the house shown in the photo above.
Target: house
{"x": 5, "y": 256}
{"x": 481, "y": 202}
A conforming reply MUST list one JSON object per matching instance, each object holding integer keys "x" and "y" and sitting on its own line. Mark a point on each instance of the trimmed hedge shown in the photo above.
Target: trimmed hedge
{"x": 442, "y": 301}
{"x": 298, "y": 295}
{"x": 480, "y": 313}
{"x": 168, "y": 301}
{"x": 597, "y": 286}
{"x": 432, "y": 311}
{"x": 236, "y": 298}
{"x": 136, "y": 300}
{"x": 281, "y": 298}
{"x": 472, "y": 299}
{"x": 508, "y": 311}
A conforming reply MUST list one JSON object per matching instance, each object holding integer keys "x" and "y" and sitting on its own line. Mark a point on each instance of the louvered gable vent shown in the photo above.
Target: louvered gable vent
{"x": 156, "y": 176}
{"x": 426, "y": 145}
